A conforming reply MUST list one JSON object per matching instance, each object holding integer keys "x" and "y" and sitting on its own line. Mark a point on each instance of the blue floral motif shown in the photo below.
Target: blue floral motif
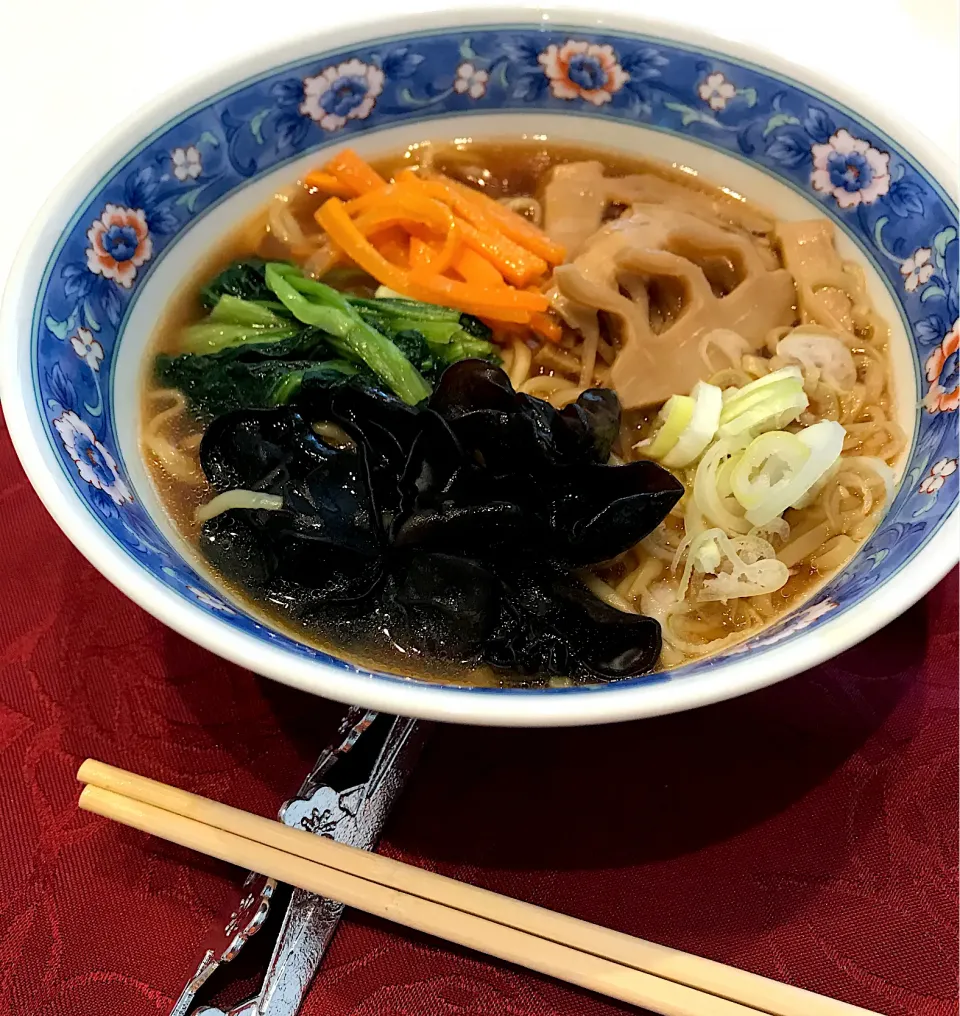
{"x": 818, "y": 124}
{"x": 87, "y": 348}
{"x": 61, "y": 390}
{"x": 788, "y": 150}
{"x": 346, "y": 91}
{"x": 930, "y": 330}
{"x": 94, "y": 463}
{"x": 583, "y": 70}
{"x": 940, "y": 473}
{"x": 864, "y": 181}
{"x": 186, "y": 163}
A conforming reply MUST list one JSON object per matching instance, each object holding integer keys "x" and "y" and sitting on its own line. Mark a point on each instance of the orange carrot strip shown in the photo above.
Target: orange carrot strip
{"x": 503, "y": 304}
{"x": 370, "y": 200}
{"x": 495, "y": 215}
{"x": 392, "y": 244}
{"x": 472, "y": 267}
{"x": 416, "y": 213}
{"x": 421, "y": 253}
{"x": 407, "y": 207}
{"x": 546, "y": 327}
{"x": 516, "y": 263}
{"x": 354, "y": 173}
{"x": 429, "y": 258}
{"x": 515, "y": 226}
{"x": 327, "y": 183}
{"x": 448, "y": 293}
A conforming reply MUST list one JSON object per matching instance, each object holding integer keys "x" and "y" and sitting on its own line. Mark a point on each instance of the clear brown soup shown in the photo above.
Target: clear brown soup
{"x": 504, "y": 170}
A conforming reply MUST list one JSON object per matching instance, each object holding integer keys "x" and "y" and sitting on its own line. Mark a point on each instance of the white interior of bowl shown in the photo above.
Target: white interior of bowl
{"x": 179, "y": 263}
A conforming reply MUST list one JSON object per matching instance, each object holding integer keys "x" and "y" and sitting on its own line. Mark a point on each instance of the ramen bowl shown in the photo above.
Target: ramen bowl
{"x": 129, "y": 224}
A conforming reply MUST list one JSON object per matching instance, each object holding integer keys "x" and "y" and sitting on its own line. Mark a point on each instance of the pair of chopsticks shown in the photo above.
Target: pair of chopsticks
{"x": 632, "y": 970}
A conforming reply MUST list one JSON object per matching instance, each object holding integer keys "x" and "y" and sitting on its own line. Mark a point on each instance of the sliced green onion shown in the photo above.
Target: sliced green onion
{"x": 742, "y": 566}
{"x": 769, "y": 403}
{"x": 676, "y": 414}
{"x": 824, "y": 442}
{"x": 767, "y": 465}
{"x": 700, "y": 431}
{"x": 737, "y": 399}
{"x": 694, "y": 549}
{"x": 718, "y": 509}
{"x": 708, "y": 558}
{"x": 766, "y": 576}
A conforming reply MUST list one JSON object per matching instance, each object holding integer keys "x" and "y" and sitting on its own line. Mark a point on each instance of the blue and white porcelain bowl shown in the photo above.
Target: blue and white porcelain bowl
{"x": 128, "y": 226}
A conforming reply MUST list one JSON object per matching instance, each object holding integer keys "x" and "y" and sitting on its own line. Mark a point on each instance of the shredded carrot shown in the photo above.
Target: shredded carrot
{"x": 327, "y": 183}
{"x": 516, "y": 263}
{"x": 421, "y": 253}
{"x": 418, "y": 215}
{"x": 546, "y": 327}
{"x": 369, "y": 200}
{"x": 512, "y": 225}
{"x": 430, "y": 257}
{"x": 407, "y": 207}
{"x": 392, "y": 244}
{"x": 503, "y": 303}
{"x": 472, "y": 267}
{"x": 352, "y": 172}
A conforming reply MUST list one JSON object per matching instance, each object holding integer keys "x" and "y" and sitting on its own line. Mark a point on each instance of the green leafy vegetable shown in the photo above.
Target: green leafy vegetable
{"x": 416, "y": 349}
{"x": 212, "y": 336}
{"x": 450, "y": 335}
{"x": 318, "y": 305}
{"x": 234, "y": 311}
{"x": 243, "y": 279}
{"x": 219, "y": 383}
{"x": 270, "y": 330}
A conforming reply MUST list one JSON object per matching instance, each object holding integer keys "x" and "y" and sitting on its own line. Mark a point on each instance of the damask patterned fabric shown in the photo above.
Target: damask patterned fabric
{"x": 807, "y": 832}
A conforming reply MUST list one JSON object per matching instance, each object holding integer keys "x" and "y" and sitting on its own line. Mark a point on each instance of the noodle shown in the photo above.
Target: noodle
{"x": 250, "y": 499}
{"x": 588, "y": 359}
{"x": 642, "y": 577}
{"x": 835, "y": 553}
{"x": 522, "y": 358}
{"x": 631, "y": 292}
{"x": 544, "y": 385}
{"x": 606, "y": 593}
{"x": 321, "y": 261}
{"x": 175, "y": 459}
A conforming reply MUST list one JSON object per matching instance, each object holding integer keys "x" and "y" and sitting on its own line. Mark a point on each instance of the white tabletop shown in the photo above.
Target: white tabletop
{"x": 70, "y": 71}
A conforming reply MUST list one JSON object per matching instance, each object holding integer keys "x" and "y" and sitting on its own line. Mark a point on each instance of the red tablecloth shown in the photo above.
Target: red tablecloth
{"x": 806, "y": 832}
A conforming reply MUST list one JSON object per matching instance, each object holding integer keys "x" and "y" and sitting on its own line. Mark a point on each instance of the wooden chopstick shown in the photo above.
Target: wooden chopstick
{"x": 632, "y": 970}
{"x": 464, "y": 929}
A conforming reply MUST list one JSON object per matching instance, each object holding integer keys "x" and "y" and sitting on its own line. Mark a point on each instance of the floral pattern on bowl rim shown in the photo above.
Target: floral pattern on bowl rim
{"x": 898, "y": 216}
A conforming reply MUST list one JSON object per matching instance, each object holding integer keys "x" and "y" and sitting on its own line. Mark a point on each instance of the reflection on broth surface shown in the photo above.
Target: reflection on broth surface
{"x": 382, "y": 411}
